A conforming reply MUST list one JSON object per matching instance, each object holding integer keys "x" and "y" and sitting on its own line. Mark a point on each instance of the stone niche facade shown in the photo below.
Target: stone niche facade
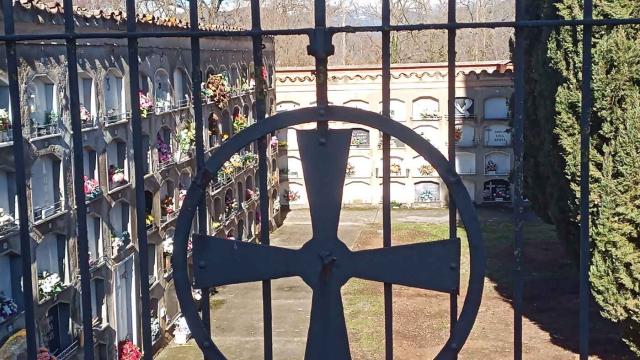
{"x": 165, "y": 73}
{"x": 419, "y": 97}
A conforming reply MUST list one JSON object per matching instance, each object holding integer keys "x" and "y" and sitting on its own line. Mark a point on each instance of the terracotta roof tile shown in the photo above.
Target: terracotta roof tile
{"x": 56, "y": 8}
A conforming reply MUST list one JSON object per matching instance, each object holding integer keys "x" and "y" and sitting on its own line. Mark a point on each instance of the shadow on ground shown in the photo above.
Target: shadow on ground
{"x": 550, "y": 283}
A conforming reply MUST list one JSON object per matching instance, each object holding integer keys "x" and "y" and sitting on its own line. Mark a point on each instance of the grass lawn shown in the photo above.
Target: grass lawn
{"x": 363, "y": 300}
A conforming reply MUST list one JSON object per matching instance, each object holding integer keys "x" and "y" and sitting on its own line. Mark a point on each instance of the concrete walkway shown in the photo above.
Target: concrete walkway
{"x": 237, "y": 309}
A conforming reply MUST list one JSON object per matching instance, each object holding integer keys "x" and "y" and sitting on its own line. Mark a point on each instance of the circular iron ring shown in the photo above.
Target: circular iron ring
{"x": 457, "y": 191}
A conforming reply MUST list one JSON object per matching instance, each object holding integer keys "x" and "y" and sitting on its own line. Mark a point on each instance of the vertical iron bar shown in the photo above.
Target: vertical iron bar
{"x": 322, "y": 99}
{"x": 585, "y": 129}
{"x": 451, "y": 112}
{"x": 78, "y": 183}
{"x": 205, "y": 307}
{"x": 18, "y": 153}
{"x": 136, "y": 126}
{"x": 386, "y": 173}
{"x": 518, "y": 204}
{"x": 263, "y": 171}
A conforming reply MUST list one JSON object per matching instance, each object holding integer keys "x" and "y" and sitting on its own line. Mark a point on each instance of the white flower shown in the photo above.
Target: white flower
{"x": 167, "y": 245}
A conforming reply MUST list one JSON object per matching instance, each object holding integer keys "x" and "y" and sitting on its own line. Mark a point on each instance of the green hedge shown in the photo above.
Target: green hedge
{"x": 552, "y": 147}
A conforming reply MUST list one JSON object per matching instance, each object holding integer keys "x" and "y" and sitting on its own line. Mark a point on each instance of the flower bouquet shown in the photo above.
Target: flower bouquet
{"x": 236, "y": 161}
{"x": 395, "y": 169}
{"x": 291, "y": 195}
{"x": 351, "y": 170}
{"x": 118, "y": 242}
{"x": 155, "y": 328}
{"x": 8, "y": 308}
{"x": 426, "y": 169}
{"x": 249, "y": 159}
{"x": 91, "y": 189}
{"x": 85, "y": 115}
{"x": 148, "y": 221}
{"x": 117, "y": 175}
{"x": 4, "y": 119}
{"x": 239, "y": 123}
{"x": 5, "y": 125}
{"x": 218, "y": 90}
{"x": 457, "y": 135}
{"x": 49, "y": 285}
{"x": 146, "y": 105}
{"x": 166, "y": 207}
{"x": 187, "y": 137}
{"x": 491, "y": 167}
{"x": 182, "y": 331}
{"x": 227, "y": 168}
{"x": 167, "y": 245}
{"x": 127, "y": 350}
{"x": 164, "y": 151}
{"x": 215, "y": 225}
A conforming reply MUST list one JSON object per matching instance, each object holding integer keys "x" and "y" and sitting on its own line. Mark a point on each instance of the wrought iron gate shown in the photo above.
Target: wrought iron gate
{"x": 330, "y": 262}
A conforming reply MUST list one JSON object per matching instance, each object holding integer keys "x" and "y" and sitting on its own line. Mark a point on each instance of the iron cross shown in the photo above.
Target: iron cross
{"x": 324, "y": 262}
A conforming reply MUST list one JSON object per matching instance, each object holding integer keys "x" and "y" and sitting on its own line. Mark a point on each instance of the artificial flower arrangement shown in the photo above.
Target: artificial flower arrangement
{"x": 8, "y": 308}
{"x": 167, "y": 245}
{"x": 119, "y": 241}
{"x": 239, "y": 123}
{"x": 91, "y": 189}
{"x": 236, "y": 161}
{"x": 291, "y": 195}
{"x": 427, "y": 115}
{"x": 457, "y": 134}
{"x": 356, "y": 140}
{"x": 215, "y": 225}
{"x": 85, "y": 115}
{"x": 395, "y": 168}
{"x": 155, "y": 328}
{"x": 148, "y": 221}
{"x": 182, "y": 332}
{"x": 426, "y": 169}
{"x": 491, "y": 166}
{"x": 146, "y": 105}
{"x": 187, "y": 137}
{"x": 6, "y": 220}
{"x": 5, "y": 124}
{"x": 166, "y": 206}
{"x": 351, "y": 170}
{"x": 216, "y": 90}
{"x": 127, "y": 350}
{"x": 249, "y": 159}
{"x": 229, "y": 205}
{"x": 49, "y": 285}
{"x": 116, "y": 175}
{"x": 227, "y": 168}
{"x": 164, "y": 150}
{"x": 44, "y": 354}
{"x": 4, "y": 119}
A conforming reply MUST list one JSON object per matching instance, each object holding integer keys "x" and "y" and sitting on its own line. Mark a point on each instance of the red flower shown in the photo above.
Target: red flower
{"x": 127, "y": 350}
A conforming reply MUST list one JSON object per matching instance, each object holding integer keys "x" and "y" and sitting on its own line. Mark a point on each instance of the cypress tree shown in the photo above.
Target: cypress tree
{"x": 552, "y": 147}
